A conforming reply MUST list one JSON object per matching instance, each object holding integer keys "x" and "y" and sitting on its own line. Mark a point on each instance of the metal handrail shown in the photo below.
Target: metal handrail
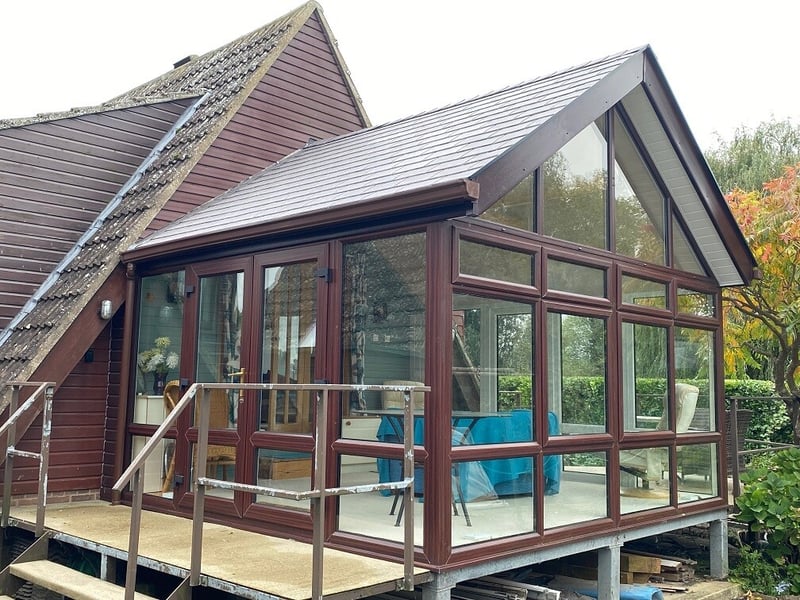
{"x": 43, "y": 393}
{"x": 135, "y": 474}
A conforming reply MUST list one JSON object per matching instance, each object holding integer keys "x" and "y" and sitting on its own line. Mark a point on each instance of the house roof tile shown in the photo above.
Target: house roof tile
{"x": 426, "y": 150}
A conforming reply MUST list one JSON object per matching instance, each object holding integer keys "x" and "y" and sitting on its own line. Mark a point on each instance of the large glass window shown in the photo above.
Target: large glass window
{"x": 638, "y": 203}
{"x": 577, "y": 370}
{"x": 288, "y": 344}
{"x": 493, "y": 349}
{"x": 492, "y": 262}
{"x": 694, "y": 364}
{"x": 644, "y": 376}
{"x": 575, "y": 183}
{"x": 583, "y": 494}
{"x": 515, "y": 208}
{"x": 159, "y": 335}
{"x": 383, "y": 318}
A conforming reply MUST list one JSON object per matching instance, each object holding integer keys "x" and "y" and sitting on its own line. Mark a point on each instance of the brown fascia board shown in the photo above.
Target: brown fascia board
{"x": 689, "y": 153}
{"x": 453, "y": 192}
{"x": 504, "y": 173}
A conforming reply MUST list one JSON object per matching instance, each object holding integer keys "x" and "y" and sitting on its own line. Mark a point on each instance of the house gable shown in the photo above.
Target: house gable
{"x": 304, "y": 95}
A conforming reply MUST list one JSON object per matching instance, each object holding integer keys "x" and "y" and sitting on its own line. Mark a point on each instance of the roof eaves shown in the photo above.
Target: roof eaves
{"x": 660, "y": 94}
{"x": 460, "y": 191}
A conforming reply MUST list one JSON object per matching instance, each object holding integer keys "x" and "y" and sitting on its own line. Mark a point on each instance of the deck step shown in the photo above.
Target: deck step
{"x": 69, "y": 582}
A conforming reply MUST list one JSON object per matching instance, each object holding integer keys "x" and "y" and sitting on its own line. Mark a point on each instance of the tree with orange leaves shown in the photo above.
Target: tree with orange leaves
{"x": 763, "y": 320}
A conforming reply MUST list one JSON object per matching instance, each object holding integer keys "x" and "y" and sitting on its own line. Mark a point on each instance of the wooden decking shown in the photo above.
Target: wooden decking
{"x": 232, "y": 558}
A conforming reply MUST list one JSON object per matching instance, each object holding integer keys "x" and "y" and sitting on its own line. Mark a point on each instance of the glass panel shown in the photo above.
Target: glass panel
{"x": 576, "y": 279}
{"x": 160, "y": 330}
{"x": 220, "y": 464}
{"x": 515, "y": 208}
{"x": 639, "y": 205}
{"x": 700, "y": 304}
{"x": 575, "y": 179}
{"x": 383, "y": 318}
{"x": 643, "y": 292}
{"x": 156, "y": 466}
{"x": 377, "y": 514}
{"x": 694, "y": 361}
{"x": 219, "y": 340}
{"x": 644, "y": 478}
{"x": 697, "y": 472}
{"x": 683, "y": 255}
{"x": 285, "y": 470}
{"x": 576, "y": 368}
{"x": 482, "y": 512}
{"x": 491, "y": 262}
{"x": 644, "y": 376}
{"x": 493, "y": 345}
{"x": 583, "y": 493}
{"x": 288, "y": 344}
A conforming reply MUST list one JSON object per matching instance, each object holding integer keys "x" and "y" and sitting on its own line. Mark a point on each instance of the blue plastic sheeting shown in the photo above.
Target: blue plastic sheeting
{"x": 629, "y": 592}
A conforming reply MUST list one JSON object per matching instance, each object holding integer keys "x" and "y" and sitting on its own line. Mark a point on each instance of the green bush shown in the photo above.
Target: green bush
{"x": 770, "y": 421}
{"x": 754, "y": 573}
{"x": 770, "y": 506}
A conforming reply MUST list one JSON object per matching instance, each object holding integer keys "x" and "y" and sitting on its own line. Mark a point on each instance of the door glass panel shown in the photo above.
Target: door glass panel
{"x": 288, "y": 342}
{"x": 219, "y": 340}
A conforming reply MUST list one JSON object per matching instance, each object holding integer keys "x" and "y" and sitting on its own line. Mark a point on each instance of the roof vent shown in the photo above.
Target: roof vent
{"x": 185, "y": 60}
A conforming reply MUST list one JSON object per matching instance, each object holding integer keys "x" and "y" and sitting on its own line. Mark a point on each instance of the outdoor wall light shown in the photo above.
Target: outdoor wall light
{"x": 106, "y": 310}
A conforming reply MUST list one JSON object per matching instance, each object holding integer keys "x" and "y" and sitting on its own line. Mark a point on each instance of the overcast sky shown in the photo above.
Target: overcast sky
{"x": 729, "y": 63}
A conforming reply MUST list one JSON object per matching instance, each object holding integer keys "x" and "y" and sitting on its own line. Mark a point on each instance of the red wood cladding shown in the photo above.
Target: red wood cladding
{"x": 56, "y": 178}
{"x": 304, "y": 95}
{"x": 79, "y": 428}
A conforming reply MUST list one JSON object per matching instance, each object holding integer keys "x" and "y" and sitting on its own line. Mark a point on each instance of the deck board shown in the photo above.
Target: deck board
{"x": 272, "y": 565}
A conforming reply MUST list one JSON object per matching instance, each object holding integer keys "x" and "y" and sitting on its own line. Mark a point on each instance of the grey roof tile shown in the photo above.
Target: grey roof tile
{"x": 432, "y": 148}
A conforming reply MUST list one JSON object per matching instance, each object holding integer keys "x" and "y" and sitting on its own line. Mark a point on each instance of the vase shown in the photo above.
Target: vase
{"x": 159, "y": 381}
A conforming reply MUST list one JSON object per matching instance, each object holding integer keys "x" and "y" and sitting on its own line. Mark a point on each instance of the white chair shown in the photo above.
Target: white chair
{"x": 649, "y": 464}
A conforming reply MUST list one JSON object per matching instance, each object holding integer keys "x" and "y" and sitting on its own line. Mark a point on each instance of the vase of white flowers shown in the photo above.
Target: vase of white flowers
{"x": 158, "y": 361}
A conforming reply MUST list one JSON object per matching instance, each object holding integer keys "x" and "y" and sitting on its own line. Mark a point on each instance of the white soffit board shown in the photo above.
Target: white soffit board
{"x": 680, "y": 187}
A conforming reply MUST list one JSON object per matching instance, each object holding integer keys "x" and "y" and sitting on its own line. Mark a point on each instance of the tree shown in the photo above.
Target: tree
{"x": 755, "y": 156}
{"x": 763, "y": 319}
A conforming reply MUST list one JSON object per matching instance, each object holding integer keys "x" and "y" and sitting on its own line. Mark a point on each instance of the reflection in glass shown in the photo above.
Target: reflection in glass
{"x": 643, "y": 292}
{"x": 644, "y": 478}
{"x": 286, "y": 470}
{"x": 219, "y": 340}
{"x": 576, "y": 279}
{"x": 491, "y": 262}
{"x": 575, "y": 181}
{"x": 694, "y": 364}
{"x": 515, "y": 208}
{"x": 639, "y": 205}
{"x": 576, "y": 370}
{"x": 383, "y": 316}
{"x": 492, "y": 371}
{"x": 700, "y": 304}
{"x": 683, "y": 255}
{"x": 583, "y": 494}
{"x": 288, "y": 344}
{"x": 160, "y": 313}
{"x": 697, "y": 472}
{"x": 644, "y": 375}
